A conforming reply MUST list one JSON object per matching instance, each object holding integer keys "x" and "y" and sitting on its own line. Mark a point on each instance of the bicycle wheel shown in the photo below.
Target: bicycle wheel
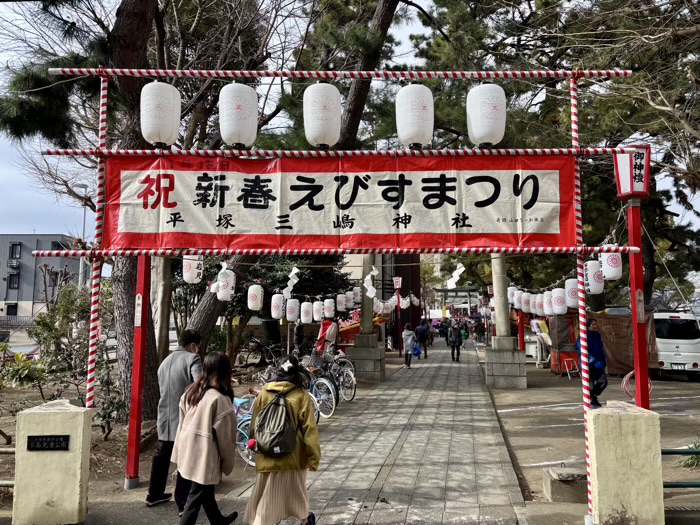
{"x": 334, "y": 383}
{"x": 344, "y": 362}
{"x": 322, "y": 390}
{"x": 348, "y": 385}
{"x": 254, "y": 356}
{"x": 242, "y": 437}
{"x": 314, "y": 402}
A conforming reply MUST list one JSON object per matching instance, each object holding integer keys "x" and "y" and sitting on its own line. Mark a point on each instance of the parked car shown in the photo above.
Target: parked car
{"x": 678, "y": 341}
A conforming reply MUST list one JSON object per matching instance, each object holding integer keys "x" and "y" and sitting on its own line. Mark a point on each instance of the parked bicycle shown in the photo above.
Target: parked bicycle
{"x": 260, "y": 354}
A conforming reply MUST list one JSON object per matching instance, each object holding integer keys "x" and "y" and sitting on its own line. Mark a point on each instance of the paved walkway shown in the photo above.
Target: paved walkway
{"x": 423, "y": 448}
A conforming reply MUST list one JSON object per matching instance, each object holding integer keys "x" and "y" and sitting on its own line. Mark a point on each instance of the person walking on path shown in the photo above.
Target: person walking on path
{"x": 596, "y": 360}
{"x": 177, "y": 371}
{"x": 280, "y": 484}
{"x": 422, "y": 336}
{"x": 409, "y": 339}
{"x": 454, "y": 338}
{"x": 205, "y": 443}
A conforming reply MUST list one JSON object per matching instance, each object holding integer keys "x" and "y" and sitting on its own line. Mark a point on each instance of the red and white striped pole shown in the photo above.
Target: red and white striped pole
{"x": 580, "y": 259}
{"x": 97, "y": 261}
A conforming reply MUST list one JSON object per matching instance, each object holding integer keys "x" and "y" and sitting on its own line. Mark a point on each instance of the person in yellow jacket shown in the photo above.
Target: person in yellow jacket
{"x": 205, "y": 441}
{"x": 280, "y": 485}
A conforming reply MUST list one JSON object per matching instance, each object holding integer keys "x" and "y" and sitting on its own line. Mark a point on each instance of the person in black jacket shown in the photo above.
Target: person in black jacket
{"x": 454, "y": 338}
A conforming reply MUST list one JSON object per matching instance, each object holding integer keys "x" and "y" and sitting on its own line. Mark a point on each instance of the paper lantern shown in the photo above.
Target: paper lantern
{"x": 525, "y": 298}
{"x": 160, "y": 113}
{"x": 518, "y": 299}
{"x": 593, "y": 278}
{"x": 192, "y": 268}
{"x": 414, "y": 115}
{"x": 357, "y": 295}
{"x": 225, "y": 285}
{"x": 511, "y": 293}
{"x": 548, "y": 304}
{"x": 307, "y": 312}
{"x": 292, "y": 310}
{"x": 349, "y": 299}
{"x": 238, "y": 114}
{"x": 533, "y": 303}
{"x": 539, "y": 304}
{"x": 340, "y": 302}
{"x": 415, "y": 301}
{"x": 322, "y": 115}
{"x": 486, "y": 114}
{"x": 611, "y": 265}
{"x": 255, "y": 297}
{"x": 329, "y": 308}
{"x": 632, "y": 173}
{"x": 277, "y": 306}
{"x": 318, "y": 311}
{"x": 559, "y": 301}
{"x": 571, "y": 287}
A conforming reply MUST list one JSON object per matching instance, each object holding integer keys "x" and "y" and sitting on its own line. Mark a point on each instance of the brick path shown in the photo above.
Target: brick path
{"x": 422, "y": 448}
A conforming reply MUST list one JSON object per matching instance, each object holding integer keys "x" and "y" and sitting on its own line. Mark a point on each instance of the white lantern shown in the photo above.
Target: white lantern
{"x": 518, "y": 299}
{"x": 525, "y": 298}
{"x": 357, "y": 295}
{"x": 318, "y": 311}
{"x": 593, "y": 278}
{"x": 559, "y": 301}
{"x": 238, "y": 114}
{"x": 414, "y": 115}
{"x": 486, "y": 114}
{"x": 340, "y": 302}
{"x": 548, "y": 304}
{"x": 511, "y": 293}
{"x": 349, "y": 299}
{"x": 160, "y": 113}
{"x": 611, "y": 264}
{"x": 192, "y": 268}
{"x": 329, "y": 308}
{"x": 255, "y": 297}
{"x": 226, "y": 280}
{"x": 415, "y": 301}
{"x": 533, "y": 303}
{"x": 277, "y": 306}
{"x": 307, "y": 312}
{"x": 539, "y": 304}
{"x": 292, "y": 310}
{"x": 388, "y": 308}
{"x": 571, "y": 287}
{"x": 322, "y": 114}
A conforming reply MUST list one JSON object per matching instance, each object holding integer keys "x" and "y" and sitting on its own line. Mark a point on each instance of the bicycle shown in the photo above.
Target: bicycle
{"x": 259, "y": 354}
{"x": 243, "y": 406}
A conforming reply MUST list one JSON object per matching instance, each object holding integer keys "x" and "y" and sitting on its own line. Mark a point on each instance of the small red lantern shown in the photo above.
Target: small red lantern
{"x": 632, "y": 173}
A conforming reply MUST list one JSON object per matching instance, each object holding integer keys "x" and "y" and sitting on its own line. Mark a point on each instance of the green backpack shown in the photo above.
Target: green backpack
{"x": 275, "y": 432}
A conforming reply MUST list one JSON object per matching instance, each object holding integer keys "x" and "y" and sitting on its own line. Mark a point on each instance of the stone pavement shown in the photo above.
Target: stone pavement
{"x": 422, "y": 448}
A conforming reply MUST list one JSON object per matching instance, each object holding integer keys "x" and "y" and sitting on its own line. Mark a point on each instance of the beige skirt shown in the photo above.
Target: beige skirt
{"x": 278, "y": 496}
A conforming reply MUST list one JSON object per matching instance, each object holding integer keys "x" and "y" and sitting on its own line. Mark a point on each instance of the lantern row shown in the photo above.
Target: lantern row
{"x": 558, "y": 300}
{"x": 338, "y": 75}
{"x": 179, "y": 252}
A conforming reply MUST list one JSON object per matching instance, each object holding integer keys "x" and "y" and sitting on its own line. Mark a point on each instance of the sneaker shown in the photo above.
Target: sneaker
{"x": 595, "y": 404}
{"x": 311, "y": 519}
{"x": 152, "y": 501}
{"x": 227, "y": 520}
{"x": 180, "y": 512}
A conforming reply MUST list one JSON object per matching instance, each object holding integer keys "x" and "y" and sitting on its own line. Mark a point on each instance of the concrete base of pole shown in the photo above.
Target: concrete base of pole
{"x": 131, "y": 483}
{"x": 369, "y": 358}
{"x": 505, "y": 366}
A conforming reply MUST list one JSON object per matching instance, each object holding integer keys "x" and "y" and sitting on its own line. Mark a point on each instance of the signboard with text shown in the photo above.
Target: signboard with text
{"x": 339, "y": 203}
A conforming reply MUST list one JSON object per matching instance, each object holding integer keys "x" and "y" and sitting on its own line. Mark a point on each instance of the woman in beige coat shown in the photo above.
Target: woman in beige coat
{"x": 204, "y": 445}
{"x": 280, "y": 485}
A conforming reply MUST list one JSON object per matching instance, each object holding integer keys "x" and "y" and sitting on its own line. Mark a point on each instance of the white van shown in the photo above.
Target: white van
{"x": 678, "y": 341}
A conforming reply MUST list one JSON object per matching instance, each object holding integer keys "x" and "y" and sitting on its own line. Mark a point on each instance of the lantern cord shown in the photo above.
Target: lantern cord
{"x": 656, "y": 251}
{"x": 49, "y": 86}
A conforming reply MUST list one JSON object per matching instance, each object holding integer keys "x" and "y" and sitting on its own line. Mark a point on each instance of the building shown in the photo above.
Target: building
{"x": 21, "y": 280}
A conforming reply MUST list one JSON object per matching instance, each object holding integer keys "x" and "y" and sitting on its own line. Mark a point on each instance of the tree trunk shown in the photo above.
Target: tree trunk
{"x": 161, "y": 291}
{"x": 238, "y": 336}
{"x": 204, "y": 318}
{"x": 359, "y": 89}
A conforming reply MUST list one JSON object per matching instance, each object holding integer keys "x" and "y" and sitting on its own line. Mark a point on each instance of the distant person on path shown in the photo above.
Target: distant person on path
{"x": 177, "y": 371}
{"x": 454, "y": 339}
{"x": 280, "y": 486}
{"x": 409, "y": 339}
{"x": 596, "y": 360}
{"x": 422, "y": 336}
{"x": 205, "y": 444}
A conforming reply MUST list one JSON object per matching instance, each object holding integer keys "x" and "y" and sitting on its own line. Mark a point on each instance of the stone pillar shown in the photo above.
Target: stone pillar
{"x": 369, "y": 358}
{"x": 626, "y": 480}
{"x": 51, "y": 483}
{"x": 505, "y": 366}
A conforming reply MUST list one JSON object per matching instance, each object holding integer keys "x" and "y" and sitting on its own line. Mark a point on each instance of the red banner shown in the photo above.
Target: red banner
{"x": 339, "y": 203}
